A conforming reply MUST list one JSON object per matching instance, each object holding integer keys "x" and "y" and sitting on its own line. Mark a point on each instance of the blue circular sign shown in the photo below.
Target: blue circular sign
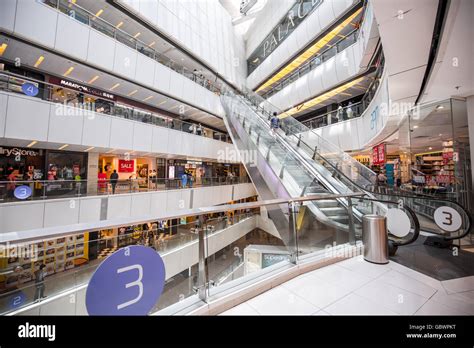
{"x": 128, "y": 282}
{"x": 22, "y": 192}
{"x": 17, "y": 299}
{"x": 29, "y": 89}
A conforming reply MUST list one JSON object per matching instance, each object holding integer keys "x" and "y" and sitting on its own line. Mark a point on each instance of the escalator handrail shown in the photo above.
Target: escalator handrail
{"x": 469, "y": 218}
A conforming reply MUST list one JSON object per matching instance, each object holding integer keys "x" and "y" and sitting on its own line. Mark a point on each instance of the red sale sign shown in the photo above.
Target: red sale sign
{"x": 126, "y": 166}
{"x": 378, "y": 154}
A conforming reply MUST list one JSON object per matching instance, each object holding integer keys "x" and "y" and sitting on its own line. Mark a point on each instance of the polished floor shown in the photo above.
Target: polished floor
{"x": 357, "y": 287}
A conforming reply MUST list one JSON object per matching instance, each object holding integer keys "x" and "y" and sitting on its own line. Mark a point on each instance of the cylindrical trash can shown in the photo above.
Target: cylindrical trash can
{"x": 375, "y": 238}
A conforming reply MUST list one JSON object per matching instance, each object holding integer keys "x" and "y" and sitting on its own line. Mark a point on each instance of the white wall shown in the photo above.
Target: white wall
{"x": 61, "y": 33}
{"x": 22, "y": 216}
{"x": 201, "y": 27}
{"x": 336, "y": 70}
{"x": 305, "y": 33}
{"x": 28, "y": 118}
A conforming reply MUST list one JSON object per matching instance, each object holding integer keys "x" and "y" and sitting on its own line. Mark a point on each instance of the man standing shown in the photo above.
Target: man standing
{"x": 113, "y": 180}
{"x": 274, "y": 123}
{"x": 39, "y": 282}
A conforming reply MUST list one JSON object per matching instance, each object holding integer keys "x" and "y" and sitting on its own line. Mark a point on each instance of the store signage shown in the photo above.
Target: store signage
{"x": 448, "y": 219}
{"x": 285, "y": 27}
{"x": 126, "y": 166}
{"x": 378, "y": 154}
{"x": 128, "y": 282}
{"x": 18, "y": 152}
{"x": 81, "y": 88}
{"x": 22, "y": 192}
{"x": 30, "y": 89}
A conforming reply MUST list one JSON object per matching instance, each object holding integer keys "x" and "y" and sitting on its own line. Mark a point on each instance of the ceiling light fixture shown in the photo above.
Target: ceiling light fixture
{"x": 3, "y": 47}
{"x": 439, "y": 107}
{"x": 132, "y": 92}
{"x": 90, "y": 148}
{"x": 39, "y": 61}
{"x": 114, "y": 86}
{"x": 150, "y": 45}
{"x": 148, "y": 98}
{"x": 163, "y": 102}
{"x": 32, "y": 143}
{"x": 137, "y": 35}
{"x": 99, "y": 12}
{"x": 415, "y": 127}
{"x": 68, "y": 71}
{"x": 63, "y": 147}
{"x": 92, "y": 80}
{"x": 119, "y": 25}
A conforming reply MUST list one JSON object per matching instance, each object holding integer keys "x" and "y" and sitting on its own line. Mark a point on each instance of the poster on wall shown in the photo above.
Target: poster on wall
{"x": 378, "y": 154}
{"x": 126, "y": 166}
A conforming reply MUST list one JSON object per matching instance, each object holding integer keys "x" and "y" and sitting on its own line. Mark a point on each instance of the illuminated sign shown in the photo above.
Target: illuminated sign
{"x": 285, "y": 27}
{"x": 81, "y": 88}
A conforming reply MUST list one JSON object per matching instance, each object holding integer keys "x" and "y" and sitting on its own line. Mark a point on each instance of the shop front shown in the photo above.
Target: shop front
{"x": 47, "y": 172}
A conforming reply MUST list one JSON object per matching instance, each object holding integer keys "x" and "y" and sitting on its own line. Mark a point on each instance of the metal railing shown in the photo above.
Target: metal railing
{"x": 50, "y": 189}
{"x": 84, "y": 16}
{"x": 75, "y": 105}
{"x": 314, "y": 62}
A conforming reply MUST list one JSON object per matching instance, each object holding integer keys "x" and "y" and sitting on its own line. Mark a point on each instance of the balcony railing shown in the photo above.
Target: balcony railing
{"x": 13, "y": 83}
{"x": 82, "y": 15}
{"x": 49, "y": 189}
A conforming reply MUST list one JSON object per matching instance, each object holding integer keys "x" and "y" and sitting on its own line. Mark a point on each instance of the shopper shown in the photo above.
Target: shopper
{"x": 134, "y": 182}
{"x": 349, "y": 111}
{"x": 11, "y": 178}
{"x": 184, "y": 180}
{"x": 113, "y": 180}
{"x": 190, "y": 179}
{"x": 340, "y": 113}
{"x": 274, "y": 123}
{"x": 199, "y": 129}
{"x": 39, "y": 283}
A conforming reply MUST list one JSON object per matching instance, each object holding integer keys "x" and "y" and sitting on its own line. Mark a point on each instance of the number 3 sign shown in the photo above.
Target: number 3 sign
{"x": 447, "y": 219}
{"x": 128, "y": 282}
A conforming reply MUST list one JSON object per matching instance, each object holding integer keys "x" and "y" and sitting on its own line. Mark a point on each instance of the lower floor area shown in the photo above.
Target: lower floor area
{"x": 357, "y": 287}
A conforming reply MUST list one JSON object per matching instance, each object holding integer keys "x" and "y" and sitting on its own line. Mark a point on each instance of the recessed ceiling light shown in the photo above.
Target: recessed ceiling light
{"x": 132, "y": 92}
{"x": 150, "y": 45}
{"x": 99, "y": 12}
{"x": 163, "y": 102}
{"x": 68, "y": 71}
{"x": 148, "y": 98}
{"x": 63, "y": 147}
{"x": 32, "y": 143}
{"x": 39, "y": 61}
{"x": 439, "y": 107}
{"x": 430, "y": 148}
{"x": 415, "y": 127}
{"x": 137, "y": 35}
{"x": 92, "y": 80}
{"x": 119, "y": 25}
{"x": 90, "y": 148}
{"x": 3, "y": 47}
{"x": 114, "y": 86}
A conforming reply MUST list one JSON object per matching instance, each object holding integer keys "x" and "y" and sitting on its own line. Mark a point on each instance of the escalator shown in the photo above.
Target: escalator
{"x": 295, "y": 161}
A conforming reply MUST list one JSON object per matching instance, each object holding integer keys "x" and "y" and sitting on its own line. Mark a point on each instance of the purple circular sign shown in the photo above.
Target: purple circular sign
{"x": 128, "y": 282}
{"x": 22, "y": 192}
{"x": 30, "y": 89}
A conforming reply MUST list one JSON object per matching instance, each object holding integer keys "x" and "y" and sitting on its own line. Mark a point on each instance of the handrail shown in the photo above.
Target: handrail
{"x": 140, "y": 115}
{"x": 62, "y": 231}
{"x": 309, "y": 66}
{"x": 141, "y": 47}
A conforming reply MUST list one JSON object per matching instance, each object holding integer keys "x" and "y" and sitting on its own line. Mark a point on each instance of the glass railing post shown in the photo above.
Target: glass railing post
{"x": 350, "y": 213}
{"x": 292, "y": 239}
{"x": 202, "y": 265}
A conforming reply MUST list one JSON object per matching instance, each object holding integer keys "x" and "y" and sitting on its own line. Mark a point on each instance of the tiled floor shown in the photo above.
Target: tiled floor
{"x": 356, "y": 287}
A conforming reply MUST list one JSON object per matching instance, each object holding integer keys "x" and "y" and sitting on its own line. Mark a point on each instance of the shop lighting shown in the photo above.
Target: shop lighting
{"x": 163, "y": 102}
{"x": 114, "y": 86}
{"x": 148, "y": 98}
{"x": 63, "y": 147}
{"x": 92, "y": 80}
{"x": 32, "y": 143}
{"x": 68, "y": 71}
{"x": 137, "y": 35}
{"x": 132, "y": 92}
{"x": 119, "y": 25}
{"x": 39, "y": 61}
{"x": 99, "y": 12}
{"x": 3, "y": 47}
{"x": 90, "y": 148}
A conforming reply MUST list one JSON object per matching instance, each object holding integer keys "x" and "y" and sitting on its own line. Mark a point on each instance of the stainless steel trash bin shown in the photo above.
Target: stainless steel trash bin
{"x": 375, "y": 238}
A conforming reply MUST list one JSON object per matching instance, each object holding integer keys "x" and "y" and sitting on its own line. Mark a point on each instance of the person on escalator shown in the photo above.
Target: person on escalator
{"x": 274, "y": 123}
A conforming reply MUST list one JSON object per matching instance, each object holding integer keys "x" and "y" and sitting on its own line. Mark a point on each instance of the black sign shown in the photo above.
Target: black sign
{"x": 81, "y": 88}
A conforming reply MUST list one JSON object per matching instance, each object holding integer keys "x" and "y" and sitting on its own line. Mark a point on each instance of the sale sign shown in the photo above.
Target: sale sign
{"x": 378, "y": 154}
{"x": 126, "y": 166}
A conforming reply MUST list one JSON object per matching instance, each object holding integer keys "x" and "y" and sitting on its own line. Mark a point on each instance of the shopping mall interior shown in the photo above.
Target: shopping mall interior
{"x": 229, "y": 157}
